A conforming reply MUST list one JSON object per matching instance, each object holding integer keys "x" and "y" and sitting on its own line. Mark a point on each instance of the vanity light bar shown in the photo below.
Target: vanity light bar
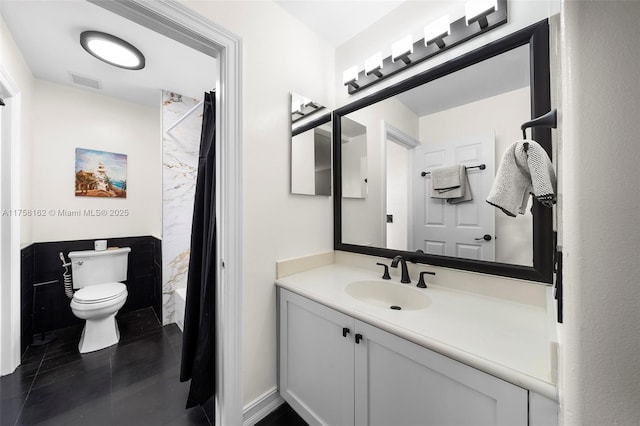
{"x": 373, "y": 65}
{"x": 436, "y": 31}
{"x": 477, "y": 11}
{"x": 350, "y": 76}
{"x": 401, "y": 49}
{"x": 438, "y": 38}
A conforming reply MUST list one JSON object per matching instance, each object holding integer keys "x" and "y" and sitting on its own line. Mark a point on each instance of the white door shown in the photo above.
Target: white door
{"x": 398, "y": 194}
{"x": 466, "y": 229}
{"x": 403, "y": 384}
{"x": 9, "y": 225}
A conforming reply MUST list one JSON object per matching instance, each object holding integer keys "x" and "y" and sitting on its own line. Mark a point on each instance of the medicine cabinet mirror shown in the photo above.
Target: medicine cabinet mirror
{"x": 466, "y": 111}
{"x": 310, "y": 147}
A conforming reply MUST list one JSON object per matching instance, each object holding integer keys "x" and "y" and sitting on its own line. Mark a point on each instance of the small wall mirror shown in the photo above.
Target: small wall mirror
{"x": 310, "y": 147}
{"x": 466, "y": 112}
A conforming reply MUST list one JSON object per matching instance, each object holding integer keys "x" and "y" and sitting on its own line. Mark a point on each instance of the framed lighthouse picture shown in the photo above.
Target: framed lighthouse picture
{"x": 100, "y": 174}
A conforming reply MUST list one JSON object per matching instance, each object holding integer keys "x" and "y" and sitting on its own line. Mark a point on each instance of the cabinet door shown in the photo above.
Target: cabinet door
{"x": 542, "y": 410}
{"x": 316, "y": 361}
{"x": 401, "y": 383}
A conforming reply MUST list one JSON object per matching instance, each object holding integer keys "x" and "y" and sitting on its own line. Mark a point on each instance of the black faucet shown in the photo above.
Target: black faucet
{"x": 405, "y": 272}
{"x": 421, "y": 282}
{"x": 386, "y": 275}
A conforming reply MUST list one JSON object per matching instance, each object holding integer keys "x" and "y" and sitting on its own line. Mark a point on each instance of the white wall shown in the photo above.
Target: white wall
{"x": 600, "y": 124}
{"x": 280, "y": 56}
{"x": 503, "y": 115}
{"x": 66, "y": 118}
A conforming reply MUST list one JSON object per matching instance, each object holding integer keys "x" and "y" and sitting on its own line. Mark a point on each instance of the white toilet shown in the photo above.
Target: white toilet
{"x": 99, "y": 295}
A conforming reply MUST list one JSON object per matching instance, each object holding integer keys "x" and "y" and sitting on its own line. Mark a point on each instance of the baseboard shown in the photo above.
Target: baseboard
{"x": 260, "y": 408}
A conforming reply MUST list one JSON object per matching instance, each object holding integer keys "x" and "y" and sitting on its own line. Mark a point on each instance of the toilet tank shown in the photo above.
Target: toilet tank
{"x": 95, "y": 267}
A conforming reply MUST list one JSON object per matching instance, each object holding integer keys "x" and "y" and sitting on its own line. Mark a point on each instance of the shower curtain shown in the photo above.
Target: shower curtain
{"x": 198, "y": 340}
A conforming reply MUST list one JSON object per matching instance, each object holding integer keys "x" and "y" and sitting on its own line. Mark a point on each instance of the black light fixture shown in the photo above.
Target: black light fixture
{"x": 440, "y": 35}
{"x": 112, "y": 50}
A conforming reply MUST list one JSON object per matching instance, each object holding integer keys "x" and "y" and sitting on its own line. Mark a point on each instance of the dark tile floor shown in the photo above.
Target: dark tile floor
{"x": 283, "y": 416}
{"x": 135, "y": 382}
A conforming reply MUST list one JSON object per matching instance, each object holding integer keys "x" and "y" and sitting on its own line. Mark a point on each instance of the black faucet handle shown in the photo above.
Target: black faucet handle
{"x": 386, "y": 275}
{"x": 421, "y": 282}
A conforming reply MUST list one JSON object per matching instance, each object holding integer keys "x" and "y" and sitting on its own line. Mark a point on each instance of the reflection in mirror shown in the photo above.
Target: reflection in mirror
{"x": 302, "y": 107}
{"x": 435, "y": 141}
{"x": 310, "y": 148}
{"x": 447, "y": 122}
{"x": 354, "y": 159}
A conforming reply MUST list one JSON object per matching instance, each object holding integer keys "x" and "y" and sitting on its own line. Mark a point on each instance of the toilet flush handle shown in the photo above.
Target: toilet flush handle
{"x": 80, "y": 262}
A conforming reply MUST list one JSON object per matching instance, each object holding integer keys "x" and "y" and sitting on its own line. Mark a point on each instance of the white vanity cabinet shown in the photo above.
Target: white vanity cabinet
{"x": 401, "y": 383}
{"x": 316, "y": 361}
{"x": 372, "y": 377}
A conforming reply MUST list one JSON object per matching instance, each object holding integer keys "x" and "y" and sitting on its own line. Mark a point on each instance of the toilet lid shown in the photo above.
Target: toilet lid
{"x": 99, "y": 292}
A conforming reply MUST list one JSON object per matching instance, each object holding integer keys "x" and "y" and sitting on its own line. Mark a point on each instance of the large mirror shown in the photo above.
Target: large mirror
{"x": 465, "y": 112}
{"x": 310, "y": 147}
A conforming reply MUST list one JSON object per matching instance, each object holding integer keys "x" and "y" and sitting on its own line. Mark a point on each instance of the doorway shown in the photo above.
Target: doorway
{"x": 185, "y": 26}
{"x": 397, "y": 148}
{"x": 9, "y": 224}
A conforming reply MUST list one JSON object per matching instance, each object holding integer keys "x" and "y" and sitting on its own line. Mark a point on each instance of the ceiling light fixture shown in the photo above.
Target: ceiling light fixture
{"x": 112, "y": 50}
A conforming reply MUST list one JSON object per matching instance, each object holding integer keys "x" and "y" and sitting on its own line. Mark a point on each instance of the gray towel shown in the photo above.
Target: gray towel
{"x": 525, "y": 169}
{"x": 454, "y": 189}
{"x": 445, "y": 179}
{"x": 465, "y": 189}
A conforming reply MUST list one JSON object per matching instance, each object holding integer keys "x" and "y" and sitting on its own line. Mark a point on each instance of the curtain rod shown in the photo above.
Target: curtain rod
{"x": 187, "y": 114}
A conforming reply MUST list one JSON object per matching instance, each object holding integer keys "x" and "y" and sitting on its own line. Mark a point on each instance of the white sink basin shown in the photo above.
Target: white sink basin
{"x": 388, "y": 295}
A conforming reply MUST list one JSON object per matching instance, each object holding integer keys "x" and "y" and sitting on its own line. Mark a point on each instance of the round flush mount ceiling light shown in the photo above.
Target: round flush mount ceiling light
{"x": 112, "y": 50}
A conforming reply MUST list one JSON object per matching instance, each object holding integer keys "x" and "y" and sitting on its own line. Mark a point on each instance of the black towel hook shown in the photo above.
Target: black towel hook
{"x": 550, "y": 119}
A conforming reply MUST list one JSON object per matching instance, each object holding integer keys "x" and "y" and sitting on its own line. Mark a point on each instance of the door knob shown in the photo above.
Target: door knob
{"x": 485, "y": 237}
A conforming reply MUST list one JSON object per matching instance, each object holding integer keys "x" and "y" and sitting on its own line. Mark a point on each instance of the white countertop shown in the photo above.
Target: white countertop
{"x": 505, "y": 339}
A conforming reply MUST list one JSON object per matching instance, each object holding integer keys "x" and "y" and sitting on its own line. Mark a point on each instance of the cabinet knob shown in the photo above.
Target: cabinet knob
{"x": 345, "y": 331}
{"x": 358, "y": 337}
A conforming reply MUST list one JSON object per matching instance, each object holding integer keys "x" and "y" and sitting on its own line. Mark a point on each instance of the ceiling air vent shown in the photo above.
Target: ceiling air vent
{"x": 86, "y": 81}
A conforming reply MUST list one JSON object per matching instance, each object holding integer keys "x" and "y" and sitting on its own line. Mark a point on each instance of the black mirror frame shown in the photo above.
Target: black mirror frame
{"x": 537, "y": 37}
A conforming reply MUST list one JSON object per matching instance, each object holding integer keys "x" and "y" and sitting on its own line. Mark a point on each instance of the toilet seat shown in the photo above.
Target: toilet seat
{"x": 99, "y": 293}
